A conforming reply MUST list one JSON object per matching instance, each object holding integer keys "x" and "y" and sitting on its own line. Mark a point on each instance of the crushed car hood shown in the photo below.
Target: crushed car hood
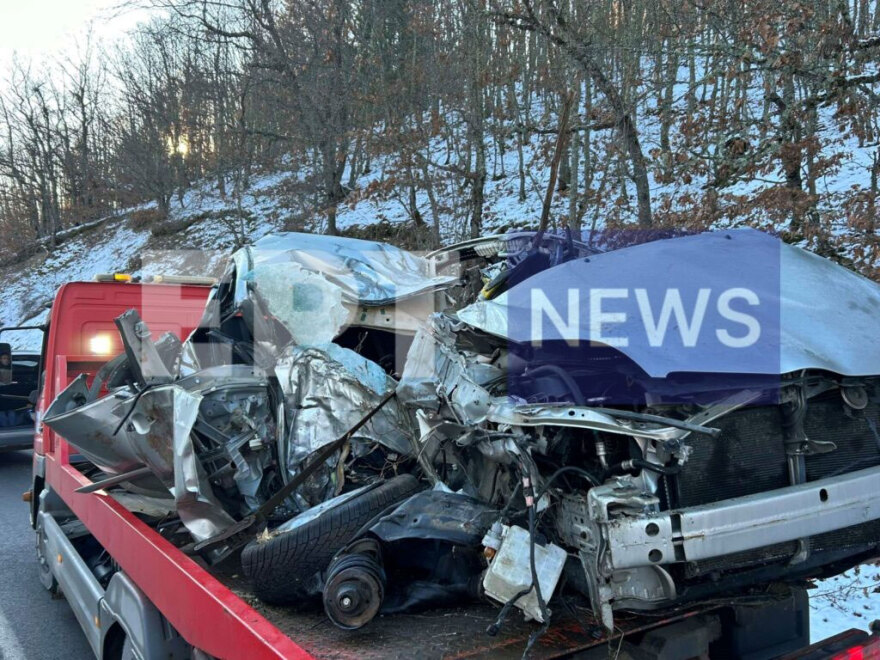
{"x": 369, "y": 273}
{"x": 811, "y": 313}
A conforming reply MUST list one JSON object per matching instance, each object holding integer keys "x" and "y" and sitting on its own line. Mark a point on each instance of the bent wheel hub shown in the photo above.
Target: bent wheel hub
{"x": 354, "y": 591}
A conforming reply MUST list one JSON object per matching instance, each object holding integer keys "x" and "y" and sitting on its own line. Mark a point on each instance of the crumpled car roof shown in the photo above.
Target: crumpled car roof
{"x": 368, "y": 272}
{"x": 812, "y": 313}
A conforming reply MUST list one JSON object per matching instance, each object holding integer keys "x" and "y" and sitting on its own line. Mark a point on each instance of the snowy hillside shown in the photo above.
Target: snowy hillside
{"x": 197, "y": 248}
{"x": 850, "y": 600}
{"x": 203, "y": 226}
{"x": 381, "y": 195}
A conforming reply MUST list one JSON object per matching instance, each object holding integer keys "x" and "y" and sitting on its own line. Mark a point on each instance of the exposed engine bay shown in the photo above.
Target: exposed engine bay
{"x": 381, "y": 431}
{"x": 632, "y": 492}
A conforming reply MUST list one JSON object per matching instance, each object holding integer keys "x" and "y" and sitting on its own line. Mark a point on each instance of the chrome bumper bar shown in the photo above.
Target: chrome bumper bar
{"x": 745, "y": 523}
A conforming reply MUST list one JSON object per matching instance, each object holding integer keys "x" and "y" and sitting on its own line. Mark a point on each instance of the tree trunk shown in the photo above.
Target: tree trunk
{"x": 626, "y": 126}
{"x": 666, "y": 110}
{"x": 333, "y": 165}
{"x": 478, "y": 183}
{"x": 432, "y": 201}
{"x": 520, "y": 138}
{"x": 574, "y": 220}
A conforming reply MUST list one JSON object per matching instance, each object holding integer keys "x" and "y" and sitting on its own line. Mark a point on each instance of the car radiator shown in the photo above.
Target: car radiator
{"x": 749, "y": 457}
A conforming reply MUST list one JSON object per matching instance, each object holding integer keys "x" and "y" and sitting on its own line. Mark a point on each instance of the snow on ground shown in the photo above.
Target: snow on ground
{"x": 849, "y": 600}
{"x": 257, "y": 199}
{"x": 503, "y": 209}
{"x": 26, "y": 294}
{"x": 114, "y": 245}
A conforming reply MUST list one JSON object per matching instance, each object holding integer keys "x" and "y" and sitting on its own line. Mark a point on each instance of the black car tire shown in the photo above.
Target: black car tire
{"x": 283, "y": 567}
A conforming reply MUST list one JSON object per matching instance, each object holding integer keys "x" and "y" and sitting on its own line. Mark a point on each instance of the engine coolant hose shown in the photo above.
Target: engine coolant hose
{"x": 642, "y": 464}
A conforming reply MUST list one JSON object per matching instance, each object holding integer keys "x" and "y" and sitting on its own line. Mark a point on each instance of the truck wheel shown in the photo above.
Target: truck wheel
{"x": 47, "y": 579}
{"x": 284, "y": 567}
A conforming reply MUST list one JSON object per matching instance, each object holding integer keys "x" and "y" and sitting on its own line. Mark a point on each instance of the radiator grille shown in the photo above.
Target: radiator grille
{"x": 749, "y": 457}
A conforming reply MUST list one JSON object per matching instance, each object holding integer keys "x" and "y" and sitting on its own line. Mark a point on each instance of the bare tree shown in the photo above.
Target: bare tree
{"x": 551, "y": 22}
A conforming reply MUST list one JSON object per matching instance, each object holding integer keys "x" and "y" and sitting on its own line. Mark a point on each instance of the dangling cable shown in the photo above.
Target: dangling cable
{"x": 531, "y": 504}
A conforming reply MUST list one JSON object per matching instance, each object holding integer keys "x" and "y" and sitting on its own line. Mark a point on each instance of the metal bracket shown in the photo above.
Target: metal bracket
{"x": 144, "y": 360}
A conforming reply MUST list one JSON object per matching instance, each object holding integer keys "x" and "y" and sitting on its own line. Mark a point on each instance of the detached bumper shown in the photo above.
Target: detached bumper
{"x": 745, "y": 523}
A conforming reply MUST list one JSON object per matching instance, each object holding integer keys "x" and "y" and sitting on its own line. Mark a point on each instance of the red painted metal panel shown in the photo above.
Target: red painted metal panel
{"x": 206, "y": 613}
{"x": 82, "y": 309}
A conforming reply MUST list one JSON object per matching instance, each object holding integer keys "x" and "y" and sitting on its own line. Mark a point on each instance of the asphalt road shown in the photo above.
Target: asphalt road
{"x": 33, "y": 625}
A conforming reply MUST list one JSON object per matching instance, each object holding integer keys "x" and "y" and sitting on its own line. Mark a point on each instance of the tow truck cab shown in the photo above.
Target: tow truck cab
{"x": 138, "y": 596}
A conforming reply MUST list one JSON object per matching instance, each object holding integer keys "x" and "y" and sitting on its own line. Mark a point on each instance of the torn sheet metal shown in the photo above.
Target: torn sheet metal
{"x": 367, "y": 272}
{"x": 144, "y": 360}
{"x": 811, "y": 313}
{"x": 121, "y": 432}
{"x": 305, "y": 302}
{"x": 92, "y": 428}
{"x": 435, "y": 369}
{"x": 197, "y": 507}
{"x": 237, "y": 417}
{"x": 328, "y": 390}
{"x": 502, "y": 411}
{"x": 437, "y": 515}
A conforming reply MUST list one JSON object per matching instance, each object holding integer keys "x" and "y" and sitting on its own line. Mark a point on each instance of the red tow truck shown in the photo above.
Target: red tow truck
{"x": 136, "y": 595}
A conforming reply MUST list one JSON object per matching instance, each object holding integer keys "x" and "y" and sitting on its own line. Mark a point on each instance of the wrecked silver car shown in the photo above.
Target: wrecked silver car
{"x": 674, "y": 470}
{"x": 507, "y": 419}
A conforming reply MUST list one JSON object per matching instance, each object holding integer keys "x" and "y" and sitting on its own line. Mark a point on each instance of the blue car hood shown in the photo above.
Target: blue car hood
{"x": 767, "y": 307}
